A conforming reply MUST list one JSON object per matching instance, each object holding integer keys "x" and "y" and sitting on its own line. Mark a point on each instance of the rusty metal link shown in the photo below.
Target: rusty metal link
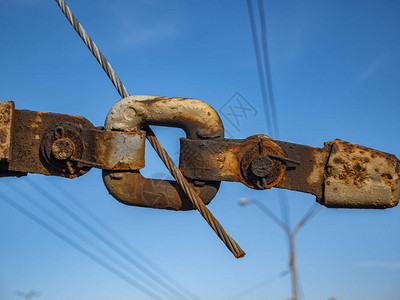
{"x": 196, "y": 118}
{"x": 199, "y": 121}
{"x": 63, "y": 145}
{"x": 341, "y": 175}
{"x": 255, "y": 161}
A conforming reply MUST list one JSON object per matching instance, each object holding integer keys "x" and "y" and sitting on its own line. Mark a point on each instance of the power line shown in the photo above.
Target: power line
{"x": 271, "y": 100}
{"x": 157, "y": 279}
{"x": 261, "y": 284}
{"x": 75, "y": 245}
{"x": 259, "y": 68}
{"x": 267, "y": 101}
{"x": 264, "y": 71}
{"x": 267, "y": 68}
{"x": 123, "y": 241}
{"x": 75, "y": 232}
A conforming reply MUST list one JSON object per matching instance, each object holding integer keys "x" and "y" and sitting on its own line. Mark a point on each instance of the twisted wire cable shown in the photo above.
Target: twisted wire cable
{"x": 94, "y": 49}
{"x": 194, "y": 198}
{"x": 168, "y": 162}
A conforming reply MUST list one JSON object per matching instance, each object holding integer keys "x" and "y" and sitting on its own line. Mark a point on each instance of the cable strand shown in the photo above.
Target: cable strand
{"x": 168, "y": 162}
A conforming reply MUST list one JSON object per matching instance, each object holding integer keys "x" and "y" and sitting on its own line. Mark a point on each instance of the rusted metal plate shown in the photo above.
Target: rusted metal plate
{"x": 308, "y": 175}
{"x": 6, "y": 120}
{"x": 29, "y": 128}
{"x": 116, "y": 150}
{"x": 360, "y": 177}
{"x": 68, "y": 146}
{"x": 341, "y": 174}
{"x": 231, "y": 160}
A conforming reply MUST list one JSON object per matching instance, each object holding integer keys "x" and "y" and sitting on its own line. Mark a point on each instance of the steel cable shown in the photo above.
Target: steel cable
{"x": 168, "y": 162}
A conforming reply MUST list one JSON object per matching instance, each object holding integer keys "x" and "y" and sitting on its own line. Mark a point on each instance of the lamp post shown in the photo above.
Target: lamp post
{"x": 290, "y": 234}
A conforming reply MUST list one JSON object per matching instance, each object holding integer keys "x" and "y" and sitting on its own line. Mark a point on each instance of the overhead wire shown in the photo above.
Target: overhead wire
{"x": 265, "y": 70}
{"x": 150, "y": 274}
{"x": 230, "y": 243}
{"x": 76, "y": 233}
{"x": 261, "y": 75}
{"x": 113, "y": 233}
{"x": 264, "y": 73}
{"x": 78, "y": 247}
{"x": 244, "y": 293}
{"x": 271, "y": 100}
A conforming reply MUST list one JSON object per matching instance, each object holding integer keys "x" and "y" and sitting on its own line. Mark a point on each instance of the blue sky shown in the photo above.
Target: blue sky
{"x": 336, "y": 70}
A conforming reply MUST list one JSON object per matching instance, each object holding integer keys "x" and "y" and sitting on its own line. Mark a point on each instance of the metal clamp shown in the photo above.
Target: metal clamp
{"x": 198, "y": 120}
{"x": 258, "y": 162}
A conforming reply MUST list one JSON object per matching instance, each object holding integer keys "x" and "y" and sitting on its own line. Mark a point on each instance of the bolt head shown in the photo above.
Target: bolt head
{"x": 63, "y": 149}
{"x": 261, "y": 166}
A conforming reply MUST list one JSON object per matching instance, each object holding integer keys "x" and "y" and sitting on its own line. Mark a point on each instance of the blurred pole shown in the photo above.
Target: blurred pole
{"x": 291, "y": 235}
{"x": 293, "y": 267}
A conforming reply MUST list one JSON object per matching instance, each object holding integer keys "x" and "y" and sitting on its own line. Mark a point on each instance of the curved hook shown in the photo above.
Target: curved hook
{"x": 199, "y": 121}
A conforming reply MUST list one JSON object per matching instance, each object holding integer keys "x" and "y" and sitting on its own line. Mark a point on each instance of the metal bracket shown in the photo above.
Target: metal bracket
{"x": 341, "y": 175}
{"x": 255, "y": 161}
{"x": 63, "y": 145}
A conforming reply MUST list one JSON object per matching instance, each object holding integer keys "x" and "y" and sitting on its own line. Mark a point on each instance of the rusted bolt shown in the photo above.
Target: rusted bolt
{"x": 63, "y": 148}
{"x": 261, "y": 166}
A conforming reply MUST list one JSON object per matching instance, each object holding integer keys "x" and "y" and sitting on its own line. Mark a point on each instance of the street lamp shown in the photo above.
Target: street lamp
{"x": 291, "y": 235}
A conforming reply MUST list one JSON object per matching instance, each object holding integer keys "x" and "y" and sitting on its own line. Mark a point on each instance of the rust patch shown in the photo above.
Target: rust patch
{"x": 308, "y": 176}
{"x": 6, "y": 121}
{"x": 131, "y": 188}
{"x": 28, "y": 130}
{"x": 359, "y": 177}
{"x": 231, "y": 160}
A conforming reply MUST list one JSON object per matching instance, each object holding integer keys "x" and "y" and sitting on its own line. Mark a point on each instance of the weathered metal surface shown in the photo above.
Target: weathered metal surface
{"x": 29, "y": 129}
{"x": 131, "y": 188}
{"x": 308, "y": 175}
{"x": 196, "y": 118}
{"x": 67, "y": 146}
{"x": 340, "y": 175}
{"x": 116, "y": 150}
{"x": 258, "y": 157}
{"x": 233, "y": 160}
{"x": 6, "y": 120}
{"x": 62, "y": 146}
{"x": 360, "y": 177}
